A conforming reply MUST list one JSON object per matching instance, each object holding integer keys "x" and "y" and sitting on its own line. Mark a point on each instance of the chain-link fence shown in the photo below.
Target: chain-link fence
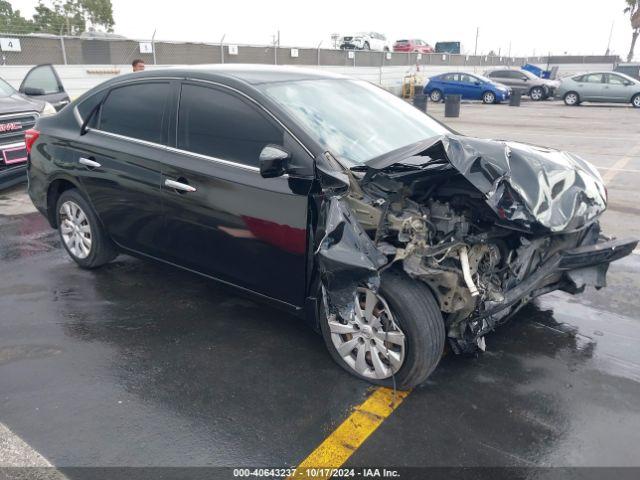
{"x": 35, "y": 49}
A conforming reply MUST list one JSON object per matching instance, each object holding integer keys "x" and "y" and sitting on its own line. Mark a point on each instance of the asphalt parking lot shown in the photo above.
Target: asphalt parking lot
{"x": 138, "y": 364}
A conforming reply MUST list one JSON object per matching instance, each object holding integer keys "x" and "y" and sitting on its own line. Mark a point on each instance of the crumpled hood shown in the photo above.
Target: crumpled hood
{"x": 530, "y": 185}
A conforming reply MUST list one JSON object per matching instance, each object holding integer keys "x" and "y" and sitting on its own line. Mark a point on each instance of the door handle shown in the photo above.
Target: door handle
{"x": 89, "y": 163}
{"x": 183, "y": 187}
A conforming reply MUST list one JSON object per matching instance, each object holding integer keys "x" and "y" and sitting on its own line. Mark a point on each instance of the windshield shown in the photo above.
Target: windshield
{"x": 6, "y": 89}
{"x": 354, "y": 120}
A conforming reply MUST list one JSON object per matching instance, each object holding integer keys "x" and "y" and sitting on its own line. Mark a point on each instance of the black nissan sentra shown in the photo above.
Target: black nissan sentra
{"x": 327, "y": 196}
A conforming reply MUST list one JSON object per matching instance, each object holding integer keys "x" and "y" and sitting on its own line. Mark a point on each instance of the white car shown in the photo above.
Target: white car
{"x": 365, "y": 41}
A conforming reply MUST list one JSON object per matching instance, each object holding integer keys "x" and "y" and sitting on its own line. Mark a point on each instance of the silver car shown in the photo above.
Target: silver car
{"x": 600, "y": 87}
{"x": 537, "y": 88}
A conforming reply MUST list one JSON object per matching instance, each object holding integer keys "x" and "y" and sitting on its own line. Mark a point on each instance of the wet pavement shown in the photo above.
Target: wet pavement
{"x": 140, "y": 364}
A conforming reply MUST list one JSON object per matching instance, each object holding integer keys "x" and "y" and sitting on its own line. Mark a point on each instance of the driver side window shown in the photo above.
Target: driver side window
{"x": 222, "y": 125}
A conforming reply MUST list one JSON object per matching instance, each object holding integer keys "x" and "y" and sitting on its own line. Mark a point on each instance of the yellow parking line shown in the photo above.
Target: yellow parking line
{"x": 620, "y": 164}
{"x": 345, "y": 440}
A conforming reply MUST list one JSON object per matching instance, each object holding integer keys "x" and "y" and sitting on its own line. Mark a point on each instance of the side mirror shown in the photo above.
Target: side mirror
{"x": 33, "y": 92}
{"x": 526, "y": 79}
{"x": 628, "y": 83}
{"x": 273, "y": 161}
{"x": 478, "y": 83}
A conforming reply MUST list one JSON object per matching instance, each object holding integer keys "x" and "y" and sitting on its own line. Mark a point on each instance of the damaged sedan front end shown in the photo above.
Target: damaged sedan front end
{"x": 487, "y": 225}
{"x": 422, "y": 235}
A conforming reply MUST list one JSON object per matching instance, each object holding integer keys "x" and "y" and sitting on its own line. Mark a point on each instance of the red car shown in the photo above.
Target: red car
{"x": 415, "y": 46}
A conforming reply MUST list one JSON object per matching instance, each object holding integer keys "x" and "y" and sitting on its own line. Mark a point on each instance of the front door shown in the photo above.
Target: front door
{"x": 222, "y": 218}
{"x": 470, "y": 87}
{"x": 616, "y": 88}
{"x": 43, "y": 83}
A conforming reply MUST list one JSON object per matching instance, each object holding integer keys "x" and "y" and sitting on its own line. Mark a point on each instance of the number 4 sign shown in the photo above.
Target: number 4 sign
{"x": 10, "y": 45}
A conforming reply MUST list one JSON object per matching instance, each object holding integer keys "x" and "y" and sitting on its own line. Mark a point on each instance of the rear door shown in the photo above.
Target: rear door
{"x": 43, "y": 83}
{"x": 451, "y": 84}
{"x": 222, "y": 218}
{"x": 591, "y": 87}
{"x": 118, "y": 161}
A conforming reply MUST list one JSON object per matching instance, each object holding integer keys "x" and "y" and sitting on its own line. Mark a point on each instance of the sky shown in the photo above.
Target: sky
{"x": 545, "y": 26}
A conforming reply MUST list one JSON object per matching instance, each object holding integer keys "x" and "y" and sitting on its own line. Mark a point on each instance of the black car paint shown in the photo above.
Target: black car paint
{"x": 237, "y": 227}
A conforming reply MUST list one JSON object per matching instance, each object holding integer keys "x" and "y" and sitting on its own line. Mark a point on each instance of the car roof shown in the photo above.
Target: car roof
{"x": 251, "y": 74}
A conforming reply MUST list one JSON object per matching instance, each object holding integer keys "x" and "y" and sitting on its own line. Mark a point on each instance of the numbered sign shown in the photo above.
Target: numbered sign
{"x": 294, "y": 53}
{"x": 232, "y": 49}
{"x": 351, "y": 54}
{"x": 146, "y": 47}
{"x": 10, "y": 45}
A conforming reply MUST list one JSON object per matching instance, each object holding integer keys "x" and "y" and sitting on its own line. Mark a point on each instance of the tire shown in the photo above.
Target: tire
{"x": 488, "y": 97}
{"x": 571, "y": 99}
{"x": 635, "y": 101}
{"x": 366, "y": 46}
{"x": 417, "y": 316}
{"x": 81, "y": 233}
{"x": 537, "y": 94}
{"x": 436, "y": 96}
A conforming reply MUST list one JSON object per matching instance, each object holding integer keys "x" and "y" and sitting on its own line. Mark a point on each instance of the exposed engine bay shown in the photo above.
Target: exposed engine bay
{"x": 486, "y": 225}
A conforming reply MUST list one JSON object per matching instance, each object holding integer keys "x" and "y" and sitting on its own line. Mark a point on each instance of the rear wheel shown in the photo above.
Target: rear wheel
{"x": 536, "y": 94}
{"x": 571, "y": 99}
{"x": 488, "y": 97}
{"x": 435, "y": 96}
{"x": 395, "y": 334}
{"x": 81, "y": 233}
{"x": 635, "y": 101}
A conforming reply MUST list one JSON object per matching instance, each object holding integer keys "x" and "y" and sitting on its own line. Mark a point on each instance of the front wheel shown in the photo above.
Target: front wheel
{"x": 395, "y": 336}
{"x": 635, "y": 101}
{"x": 536, "y": 94}
{"x": 571, "y": 99}
{"x": 81, "y": 233}
{"x": 366, "y": 46}
{"x": 488, "y": 97}
{"x": 435, "y": 96}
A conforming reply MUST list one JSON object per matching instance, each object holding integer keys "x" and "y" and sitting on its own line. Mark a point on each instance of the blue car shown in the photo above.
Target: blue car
{"x": 470, "y": 86}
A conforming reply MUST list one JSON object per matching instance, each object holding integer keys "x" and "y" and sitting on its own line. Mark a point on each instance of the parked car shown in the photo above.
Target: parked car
{"x": 449, "y": 47}
{"x": 18, "y": 113}
{"x": 470, "y": 86}
{"x": 600, "y": 87}
{"x": 415, "y": 46}
{"x": 365, "y": 41}
{"x": 389, "y": 236}
{"x": 630, "y": 69}
{"x": 535, "y": 87}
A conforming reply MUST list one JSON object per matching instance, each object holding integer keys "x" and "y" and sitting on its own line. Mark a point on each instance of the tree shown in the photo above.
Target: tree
{"x": 12, "y": 21}
{"x": 633, "y": 9}
{"x": 60, "y": 17}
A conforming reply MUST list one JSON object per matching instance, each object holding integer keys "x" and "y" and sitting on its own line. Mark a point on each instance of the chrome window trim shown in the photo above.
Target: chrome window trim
{"x": 167, "y": 148}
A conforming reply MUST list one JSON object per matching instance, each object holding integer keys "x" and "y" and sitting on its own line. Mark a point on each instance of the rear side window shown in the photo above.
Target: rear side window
{"x": 450, "y": 77}
{"x": 136, "y": 111}
{"x": 220, "y": 124}
{"x": 592, "y": 78}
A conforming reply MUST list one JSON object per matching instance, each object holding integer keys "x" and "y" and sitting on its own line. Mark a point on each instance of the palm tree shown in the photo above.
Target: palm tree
{"x": 633, "y": 9}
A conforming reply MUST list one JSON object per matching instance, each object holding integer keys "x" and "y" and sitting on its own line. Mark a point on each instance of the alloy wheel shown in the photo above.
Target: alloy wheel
{"x": 636, "y": 101}
{"x": 369, "y": 341}
{"x": 536, "y": 94}
{"x": 571, "y": 99}
{"x": 75, "y": 229}
{"x": 435, "y": 96}
{"x": 489, "y": 97}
